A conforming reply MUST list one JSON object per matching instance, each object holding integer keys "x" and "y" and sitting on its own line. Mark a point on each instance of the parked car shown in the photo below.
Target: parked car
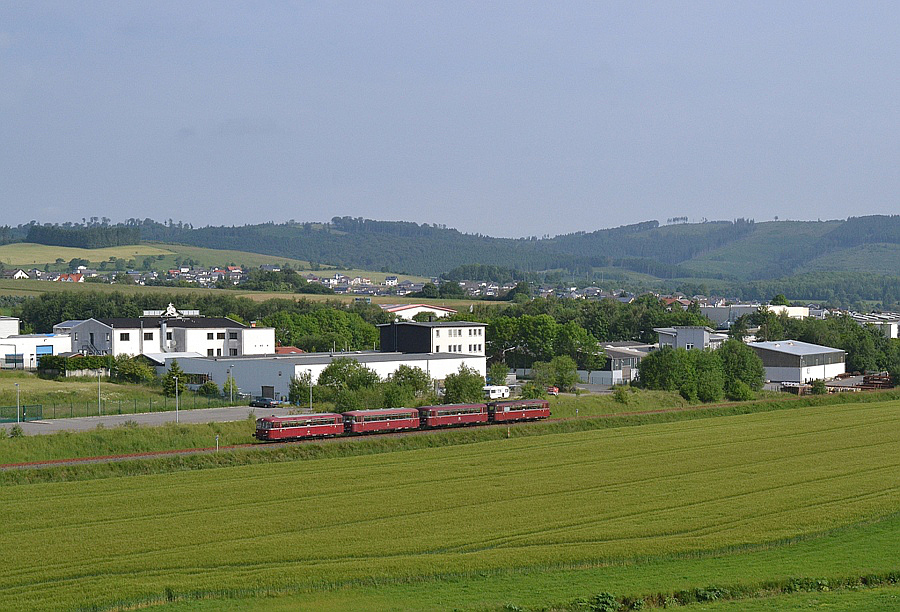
{"x": 264, "y": 402}
{"x": 553, "y": 391}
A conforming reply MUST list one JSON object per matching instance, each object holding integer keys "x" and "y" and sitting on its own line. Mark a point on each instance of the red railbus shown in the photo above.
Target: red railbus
{"x": 388, "y": 419}
{"x": 299, "y": 426}
{"x": 519, "y": 410}
{"x": 453, "y": 414}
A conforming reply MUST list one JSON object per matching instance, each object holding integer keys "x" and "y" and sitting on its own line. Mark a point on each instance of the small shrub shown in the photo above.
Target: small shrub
{"x": 710, "y": 594}
{"x": 604, "y": 602}
{"x": 209, "y": 389}
{"x": 738, "y": 391}
{"x": 621, "y": 395}
{"x": 16, "y": 431}
{"x": 817, "y": 387}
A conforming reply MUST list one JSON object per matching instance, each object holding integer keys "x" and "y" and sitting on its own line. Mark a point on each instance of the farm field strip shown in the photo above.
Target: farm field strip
{"x": 537, "y": 501}
{"x": 854, "y": 550}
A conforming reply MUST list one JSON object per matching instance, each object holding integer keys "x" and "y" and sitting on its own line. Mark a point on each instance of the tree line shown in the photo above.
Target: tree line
{"x": 93, "y": 237}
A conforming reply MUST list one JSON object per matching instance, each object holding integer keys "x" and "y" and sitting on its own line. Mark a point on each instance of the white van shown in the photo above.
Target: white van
{"x": 496, "y": 392}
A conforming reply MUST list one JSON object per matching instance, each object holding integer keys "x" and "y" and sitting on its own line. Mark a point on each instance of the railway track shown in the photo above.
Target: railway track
{"x": 277, "y": 445}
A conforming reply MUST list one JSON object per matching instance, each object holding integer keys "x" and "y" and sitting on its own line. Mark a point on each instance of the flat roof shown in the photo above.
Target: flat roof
{"x": 794, "y": 347}
{"x": 191, "y": 322}
{"x": 436, "y": 324}
{"x": 320, "y": 358}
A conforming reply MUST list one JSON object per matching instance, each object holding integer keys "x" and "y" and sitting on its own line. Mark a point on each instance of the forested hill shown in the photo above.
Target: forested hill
{"x": 739, "y": 250}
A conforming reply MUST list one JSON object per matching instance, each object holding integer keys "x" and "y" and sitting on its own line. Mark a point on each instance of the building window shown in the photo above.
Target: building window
{"x": 209, "y": 336}
{"x": 168, "y": 335}
{"x": 232, "y": 335}
{"x": 76, "y": 335}
{"x": 232, "y": 352}
{"x": 209, "y": 352}
{"x": 437, "y": 349}
{"x": 124, "y": 336}
{"x": 148, "y": 335}
{"x": 220, "y": 336}
{"x": 218, "y": 352}
{"x": 688, "y": 346}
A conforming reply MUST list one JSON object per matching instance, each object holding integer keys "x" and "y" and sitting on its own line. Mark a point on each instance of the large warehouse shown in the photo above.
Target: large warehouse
{"x": 795, "y": 361}
{"x": 269, "y": 375}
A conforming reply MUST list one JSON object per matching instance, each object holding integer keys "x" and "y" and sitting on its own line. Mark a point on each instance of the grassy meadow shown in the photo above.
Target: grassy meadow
{"x": 530, "y": 521}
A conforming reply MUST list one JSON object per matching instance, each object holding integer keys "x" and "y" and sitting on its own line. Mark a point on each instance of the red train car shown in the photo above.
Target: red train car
{"x": 453, "y": 414}
{"x": 519, "y": 410}
{"x": 299, "y": 426}
{"x": 388, "y": 419}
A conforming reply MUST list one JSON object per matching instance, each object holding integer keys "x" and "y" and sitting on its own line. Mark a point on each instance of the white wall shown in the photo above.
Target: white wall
{"x": 257, "y": 341}
{"x": 252, "y": 374}
{"x": 27, "y": 347}
{"x": 9, "y": 326}
{"x": 464, "y": 340}
{"x": 806, "y": 374}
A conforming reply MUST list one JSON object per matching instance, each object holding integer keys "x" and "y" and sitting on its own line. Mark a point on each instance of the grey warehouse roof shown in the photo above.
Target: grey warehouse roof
{"x": 360, "y": 356}
{"x": 794, "y": 347}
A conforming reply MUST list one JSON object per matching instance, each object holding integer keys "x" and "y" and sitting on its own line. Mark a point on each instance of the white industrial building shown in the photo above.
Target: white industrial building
{"x": 690, "y": 337}
{"x": 9, "y": 326}
{"x": 434, "y": 337}
{"x": 888, "y": 323}
{"x": 22, "y": 351}
{"x": 725, "y": 316}
{"x": 800, "y": 362}
{"x": 270, "y": 375}
{"x": 169, "y": 331}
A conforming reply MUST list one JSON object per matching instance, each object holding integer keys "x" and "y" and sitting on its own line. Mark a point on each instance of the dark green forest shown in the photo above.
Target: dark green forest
{"x": 92, "y": 237}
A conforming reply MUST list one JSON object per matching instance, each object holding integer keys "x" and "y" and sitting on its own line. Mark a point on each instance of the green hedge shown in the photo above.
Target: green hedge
{"x": 64, "y": 364}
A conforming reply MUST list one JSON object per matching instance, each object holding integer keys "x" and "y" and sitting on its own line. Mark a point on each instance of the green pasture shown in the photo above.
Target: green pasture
{"x": 26, "y": 254}
{"x": 638, "y": 509}
{"x": 123, "y": 440}
{"x": 593, "y": 404}
{"x": 78, "y": 397}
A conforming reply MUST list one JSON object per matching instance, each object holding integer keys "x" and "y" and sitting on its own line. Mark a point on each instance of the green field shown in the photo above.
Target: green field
{"x": 532, "y": 521}
{"x": 762, "y": 250}
{"x": 34, "y": 288}
{"x": 24, "y": 254}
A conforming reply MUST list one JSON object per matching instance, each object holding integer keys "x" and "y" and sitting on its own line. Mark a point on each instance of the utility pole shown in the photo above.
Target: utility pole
{"x": 176, "y": 398}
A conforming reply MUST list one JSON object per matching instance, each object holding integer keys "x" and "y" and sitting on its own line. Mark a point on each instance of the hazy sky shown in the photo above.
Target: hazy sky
{"x": 505, "y": 118}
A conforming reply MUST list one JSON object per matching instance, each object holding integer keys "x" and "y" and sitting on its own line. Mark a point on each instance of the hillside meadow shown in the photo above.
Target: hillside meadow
{"x": 532, "y": 521}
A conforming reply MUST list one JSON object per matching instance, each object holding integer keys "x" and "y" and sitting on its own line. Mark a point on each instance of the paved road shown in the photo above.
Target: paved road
{"x": 200, "y": 415}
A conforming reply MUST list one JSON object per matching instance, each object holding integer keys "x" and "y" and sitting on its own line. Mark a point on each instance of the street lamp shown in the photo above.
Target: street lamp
{"x": 99, "y": 404}
{"x": 176, "y": 398}
{"x": 17, "y": 402}
{"x": 231, "y": 382}
{"x": 310, "y": 390}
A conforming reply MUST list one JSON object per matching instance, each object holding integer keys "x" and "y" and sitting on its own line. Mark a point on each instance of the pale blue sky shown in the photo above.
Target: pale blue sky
{"x": 505, "y": 118}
